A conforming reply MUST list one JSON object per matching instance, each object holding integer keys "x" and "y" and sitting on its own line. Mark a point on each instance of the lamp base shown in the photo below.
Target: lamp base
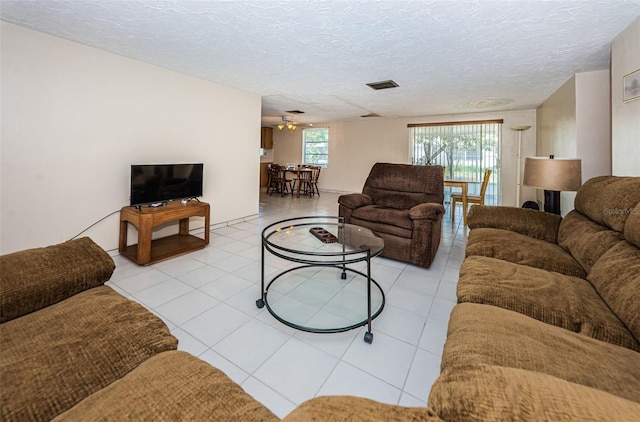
{"x": 552, "y": 201}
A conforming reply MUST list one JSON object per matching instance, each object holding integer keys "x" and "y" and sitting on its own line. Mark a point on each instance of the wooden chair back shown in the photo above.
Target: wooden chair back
{"x": 277, "y": 180}
{"x": 485, "y": 183}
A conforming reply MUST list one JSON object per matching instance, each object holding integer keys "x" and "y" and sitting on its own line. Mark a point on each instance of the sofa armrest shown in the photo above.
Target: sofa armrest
{"x": 355, "y": 200}
{"x": 532, "y": 223}
{"x": 496, "y": 393}
{"x": 350, "y": 408}
{"x": 36, "y": 278}
{"x": 426, "y": 211}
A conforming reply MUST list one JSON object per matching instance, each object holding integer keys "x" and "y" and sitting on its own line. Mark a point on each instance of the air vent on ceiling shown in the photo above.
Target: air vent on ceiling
{"x": 294, "y": 111}
{"x": 383, "y": 85}
{"x": 370, "y": 115}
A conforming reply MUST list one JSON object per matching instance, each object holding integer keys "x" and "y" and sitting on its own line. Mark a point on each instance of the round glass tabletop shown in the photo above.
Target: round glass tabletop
{"x": 332, "y": 291}
{"x": 333, "y": 241}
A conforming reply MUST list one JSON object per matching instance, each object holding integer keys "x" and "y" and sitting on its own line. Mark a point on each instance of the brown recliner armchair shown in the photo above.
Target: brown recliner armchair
{"x": 402, "y": 204}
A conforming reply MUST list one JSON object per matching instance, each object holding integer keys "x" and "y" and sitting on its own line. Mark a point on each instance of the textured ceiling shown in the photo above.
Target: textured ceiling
{"x": 317, "y": 56}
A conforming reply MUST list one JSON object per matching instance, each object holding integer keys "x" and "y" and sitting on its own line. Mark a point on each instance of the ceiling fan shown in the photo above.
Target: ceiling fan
{"x": 290, "y": 124}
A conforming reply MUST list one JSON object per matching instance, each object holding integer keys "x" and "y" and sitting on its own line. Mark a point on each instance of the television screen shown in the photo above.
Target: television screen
{"x": 152, "y": 183}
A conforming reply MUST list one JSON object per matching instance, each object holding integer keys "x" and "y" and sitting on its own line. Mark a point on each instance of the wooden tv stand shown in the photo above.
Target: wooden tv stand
{"x": 148, "y": 251}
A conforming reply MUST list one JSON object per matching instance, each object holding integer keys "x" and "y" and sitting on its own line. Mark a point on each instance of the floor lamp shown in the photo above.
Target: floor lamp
{"x": 552, "y": 175}
{"x": 519, "y": 129}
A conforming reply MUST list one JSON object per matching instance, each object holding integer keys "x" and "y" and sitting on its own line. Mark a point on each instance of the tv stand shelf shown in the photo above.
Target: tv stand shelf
{"x": 149, "y": 251}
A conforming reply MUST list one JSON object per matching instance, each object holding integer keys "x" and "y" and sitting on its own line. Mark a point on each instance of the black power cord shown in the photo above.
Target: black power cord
{"x": 139, "y": 207}
{"x": 102, "y": 219}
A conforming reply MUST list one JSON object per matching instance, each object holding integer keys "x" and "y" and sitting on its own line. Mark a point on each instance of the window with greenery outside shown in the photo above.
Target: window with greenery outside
{"x": 315, "y": 147}
{"x": 464, "y": 149}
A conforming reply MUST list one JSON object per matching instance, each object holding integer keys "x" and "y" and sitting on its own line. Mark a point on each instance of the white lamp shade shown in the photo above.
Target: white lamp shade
{"x": 558, "y": 174}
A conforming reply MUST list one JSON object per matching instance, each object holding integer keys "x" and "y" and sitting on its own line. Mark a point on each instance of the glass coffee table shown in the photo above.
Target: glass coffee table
{"x": 329, "y": 288}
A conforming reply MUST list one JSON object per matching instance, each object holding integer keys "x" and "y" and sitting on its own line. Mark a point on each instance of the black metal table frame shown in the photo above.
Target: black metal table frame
{"x": 310, "y": 262}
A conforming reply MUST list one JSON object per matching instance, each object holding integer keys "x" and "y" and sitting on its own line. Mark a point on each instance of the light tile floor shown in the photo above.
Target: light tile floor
{"x": 207, "y": 298}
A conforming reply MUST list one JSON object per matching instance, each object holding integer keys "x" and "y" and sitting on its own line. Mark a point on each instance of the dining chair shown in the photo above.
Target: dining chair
{"x": 301, "y": 179}
{"x": 471, "y": 199}
{"x": 278, "y": 181}
{"x": 313, "y": 180}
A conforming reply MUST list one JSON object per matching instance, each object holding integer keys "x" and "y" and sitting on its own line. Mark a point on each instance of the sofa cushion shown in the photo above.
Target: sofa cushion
{"x": 531, "y": 223}
{"x": 390, "y": 216}
{"x": 494, "y": 393}
{"x": 585, "y": 239}
{"x": 383, "y": 229}
{"x": 607, "y": 200}
{"x": 171, "y": 386}
{"x": 616, "y": 277}
{"x": 53, "y": 358}
{"x": 398, "y": 200}
{"x": 356, "y": 409}
{"x": 521, "y": 249}
{"x": 557, "y": 299}
{"x": 488, "y": 335}
{"x": 36, "y": 278}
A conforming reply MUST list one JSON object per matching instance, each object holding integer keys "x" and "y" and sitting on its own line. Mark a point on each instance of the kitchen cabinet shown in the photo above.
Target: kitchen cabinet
{"x": 266, "y": 138}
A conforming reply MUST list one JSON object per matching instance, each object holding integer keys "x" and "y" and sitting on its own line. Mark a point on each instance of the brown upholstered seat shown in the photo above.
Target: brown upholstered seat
{"x": 556, "y": 299}
{"x": 402, "y": 204}
{"x": 171, "y": 386}
{"x": 489, "y": 335}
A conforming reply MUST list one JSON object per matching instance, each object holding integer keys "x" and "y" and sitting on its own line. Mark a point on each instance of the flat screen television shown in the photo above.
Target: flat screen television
{"x": 158, "y": 183}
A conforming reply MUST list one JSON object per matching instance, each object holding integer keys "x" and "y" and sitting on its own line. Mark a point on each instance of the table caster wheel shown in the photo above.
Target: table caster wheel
{"x": 260, "y": 303}
{"x": 343, "y": 275}
{"x": 368, "y": 337}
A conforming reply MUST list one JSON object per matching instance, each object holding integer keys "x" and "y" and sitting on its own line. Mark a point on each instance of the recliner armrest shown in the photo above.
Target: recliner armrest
{"x": 355, "y": 200}
{"x": 426, "y": 211}
{"x": 532, "y": 223}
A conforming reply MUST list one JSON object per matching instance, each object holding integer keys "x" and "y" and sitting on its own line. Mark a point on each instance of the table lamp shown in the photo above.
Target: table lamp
{"x": 553, "y": 175}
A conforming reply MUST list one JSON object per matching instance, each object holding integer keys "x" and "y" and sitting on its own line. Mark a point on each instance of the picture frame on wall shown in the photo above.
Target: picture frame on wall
{"x": 631, "y": 86}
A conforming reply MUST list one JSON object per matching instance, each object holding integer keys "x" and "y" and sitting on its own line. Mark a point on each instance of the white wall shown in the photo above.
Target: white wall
{"x": 625, "y": 117}
{"x": 574, "y": 122}
{"x": 75, "y": 118}
{"x": 593, "y": 123}
{"x": 355, "y": 146}
{"x": 556, "y": 121}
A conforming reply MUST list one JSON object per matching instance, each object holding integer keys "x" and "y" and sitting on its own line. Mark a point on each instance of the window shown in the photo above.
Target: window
{"x": 465, "y": 149}
{"x": 315, "y": 147}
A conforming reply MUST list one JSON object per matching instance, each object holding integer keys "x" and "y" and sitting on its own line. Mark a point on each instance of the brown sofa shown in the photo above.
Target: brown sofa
{"x": 74, "y": 349}
{"x": 402, "y": 204}
{"x": 547, "y": 325}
